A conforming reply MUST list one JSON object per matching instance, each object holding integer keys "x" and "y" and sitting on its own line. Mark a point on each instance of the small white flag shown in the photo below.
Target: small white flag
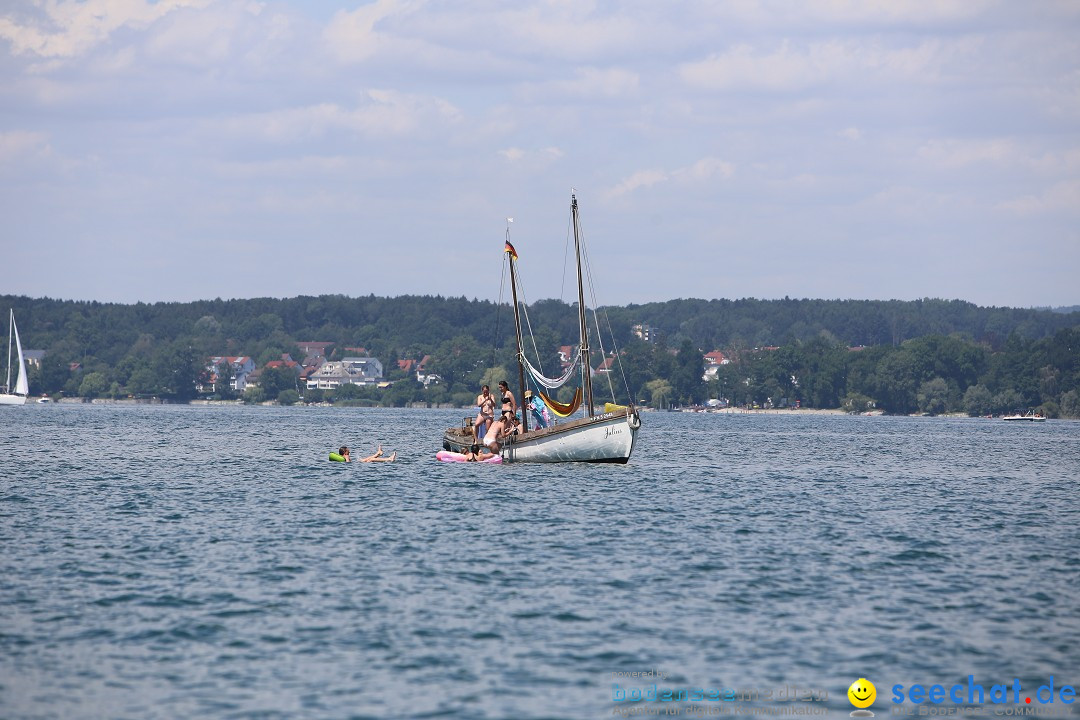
{"x": 509, "y": 220}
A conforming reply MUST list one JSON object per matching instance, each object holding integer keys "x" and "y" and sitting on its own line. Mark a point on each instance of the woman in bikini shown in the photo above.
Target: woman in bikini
{"x": 496, "y": 431}
{"x": 486, "y": 402}
{"x": 508, "y": 403}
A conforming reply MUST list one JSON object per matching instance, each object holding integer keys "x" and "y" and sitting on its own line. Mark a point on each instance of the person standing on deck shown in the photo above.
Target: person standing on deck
{"x": 486, "y": 402}
{"x": 509, "y": 404}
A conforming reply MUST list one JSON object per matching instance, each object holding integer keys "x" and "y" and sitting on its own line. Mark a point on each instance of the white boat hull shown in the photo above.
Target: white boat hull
{"x": 604, "y": 438}
{"x": 6, "y": 399}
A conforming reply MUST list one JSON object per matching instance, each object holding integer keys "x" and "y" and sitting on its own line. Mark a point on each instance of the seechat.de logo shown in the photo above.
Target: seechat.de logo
{"x": 862, "y": 694}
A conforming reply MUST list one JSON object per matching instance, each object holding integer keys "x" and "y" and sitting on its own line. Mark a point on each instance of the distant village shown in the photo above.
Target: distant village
{"x": 317, "y": 371}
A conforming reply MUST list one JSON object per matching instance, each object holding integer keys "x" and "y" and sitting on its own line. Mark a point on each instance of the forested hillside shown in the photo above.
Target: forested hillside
{"x": 926, "y": 355}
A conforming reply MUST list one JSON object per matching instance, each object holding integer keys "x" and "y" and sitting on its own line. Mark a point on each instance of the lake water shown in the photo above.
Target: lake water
{"x": 208, "y": 562}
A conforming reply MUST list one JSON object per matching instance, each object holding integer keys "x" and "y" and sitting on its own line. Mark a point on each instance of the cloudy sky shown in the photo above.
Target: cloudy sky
{"x": 187, "y": 149}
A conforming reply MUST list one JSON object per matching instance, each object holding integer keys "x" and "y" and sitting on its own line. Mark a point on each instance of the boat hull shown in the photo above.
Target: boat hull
{"x": 604, "y": 438}
{"x": 6, "y": 399}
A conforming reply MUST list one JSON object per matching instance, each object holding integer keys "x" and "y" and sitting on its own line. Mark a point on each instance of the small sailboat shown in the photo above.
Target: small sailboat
{"x": 607, "y": 436}
{"x": 16, "y": 395}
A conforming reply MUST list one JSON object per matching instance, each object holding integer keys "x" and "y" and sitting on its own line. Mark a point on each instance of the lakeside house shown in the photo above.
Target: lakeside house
{"x": 347, "y": 371}
{"x": 33, "y": 358}
{"x": 606, "y": 366}
{"x": 241, "y": 367}
{"x": 713, "y": 362}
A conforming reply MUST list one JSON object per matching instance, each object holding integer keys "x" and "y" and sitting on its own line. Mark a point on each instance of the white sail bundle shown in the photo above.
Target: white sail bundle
{"x": 547, "y": 382}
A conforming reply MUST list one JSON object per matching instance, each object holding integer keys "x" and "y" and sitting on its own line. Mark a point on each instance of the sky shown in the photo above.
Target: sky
{"x": 868, "y": 149}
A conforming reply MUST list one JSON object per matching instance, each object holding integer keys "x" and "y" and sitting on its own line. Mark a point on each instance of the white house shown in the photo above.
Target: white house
{"x": 713, "y": 361}
{"x": 347, "y": 371}
{"x": 242, "y": 366}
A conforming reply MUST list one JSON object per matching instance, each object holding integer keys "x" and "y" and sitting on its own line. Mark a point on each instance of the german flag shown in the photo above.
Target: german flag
{"x": 509, "y": 250}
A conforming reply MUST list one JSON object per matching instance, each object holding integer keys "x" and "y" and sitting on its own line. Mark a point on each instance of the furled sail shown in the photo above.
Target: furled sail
{"x": 549, "y": 383}
{"x": 561, "y": 409}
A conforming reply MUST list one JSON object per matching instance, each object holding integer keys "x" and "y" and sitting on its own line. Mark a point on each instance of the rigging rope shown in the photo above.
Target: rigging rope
{"x": 607, "y": 320}
{"x": 549, "y": 383}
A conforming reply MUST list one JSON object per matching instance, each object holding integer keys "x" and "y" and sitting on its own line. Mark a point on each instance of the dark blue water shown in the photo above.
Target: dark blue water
{"x": 183, "y": 562}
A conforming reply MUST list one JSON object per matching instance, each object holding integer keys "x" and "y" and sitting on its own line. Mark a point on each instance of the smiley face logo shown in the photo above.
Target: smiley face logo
{"x": 862, "y": 693}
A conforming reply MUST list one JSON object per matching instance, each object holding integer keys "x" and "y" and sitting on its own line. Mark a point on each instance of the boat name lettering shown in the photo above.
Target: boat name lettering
{"x": 608, "y": 432}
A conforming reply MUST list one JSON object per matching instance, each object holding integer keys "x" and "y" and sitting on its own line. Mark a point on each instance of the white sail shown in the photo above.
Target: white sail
{"x": 18, "y": 397}
{"x": 21, "y": 386}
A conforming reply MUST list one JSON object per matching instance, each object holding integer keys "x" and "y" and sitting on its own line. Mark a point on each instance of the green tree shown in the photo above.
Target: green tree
{"x": 274, "y": 380}
{"x": 660, "y": 392}
{"x": 1070, "y": 404}
{"x": 855, "y": 403}
{"x": 143, "y": 382}
{"x": 978, "y": 401}
{"x": 94, "y": 385}
{"x": 1008, "y": 401}
{"x": 223, "y": 384}
{"x": 933, "y": 396}
{"x": 686, "y": 380}
{"x": 288, "y": 397}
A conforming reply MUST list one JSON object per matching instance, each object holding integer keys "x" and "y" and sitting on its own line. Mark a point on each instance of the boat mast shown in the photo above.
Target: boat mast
{"x": 517, "y": 332}
{"x": 587, "y": 364}
{"x": 11, "y": 324}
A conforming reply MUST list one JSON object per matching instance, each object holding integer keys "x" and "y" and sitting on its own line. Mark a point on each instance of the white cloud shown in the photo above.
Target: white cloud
{"x": 588, "y": 82}
{"x": 351, "y": 35}
{"x": 702, "y": 170}
{"x": 21, "y": 144}
{"x": 381, "y": 113}
{"x": 954, "y": 153}
{"x": 791, "y": 67}
{"x": 851, "y": 133}
{"x": 1063, "y": 196}
{"x": 1005, "y": 153}
{"x": 640, "y": 179}
{"x": 70, "y": 28}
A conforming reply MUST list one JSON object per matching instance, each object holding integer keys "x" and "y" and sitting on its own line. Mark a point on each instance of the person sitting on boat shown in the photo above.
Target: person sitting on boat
{"x": 508, "y": 401}
{"x": 514, "y": 427}
{"x": 377, "y": 457}
{"x": 497, "y": 431}
{"x": 486, "y": 402}
{"x": 538, "y": 409}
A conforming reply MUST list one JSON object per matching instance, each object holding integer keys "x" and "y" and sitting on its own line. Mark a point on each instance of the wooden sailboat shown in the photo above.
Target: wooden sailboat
{"x": 16, "y": 395}
{"x": 593, "y": 437}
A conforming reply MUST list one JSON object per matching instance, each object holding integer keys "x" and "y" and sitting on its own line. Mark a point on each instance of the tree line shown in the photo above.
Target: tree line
{"x": 926, "y": 355}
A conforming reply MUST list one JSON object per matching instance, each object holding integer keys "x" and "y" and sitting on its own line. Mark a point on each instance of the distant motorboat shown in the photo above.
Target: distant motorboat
{"x": 1029, "y": 416}
{"x": 43, "y": 400}
{"x": 18, "y": 396}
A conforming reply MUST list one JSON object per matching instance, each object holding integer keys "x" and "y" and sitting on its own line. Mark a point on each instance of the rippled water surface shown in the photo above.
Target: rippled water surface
{"x": 184, "y": 562}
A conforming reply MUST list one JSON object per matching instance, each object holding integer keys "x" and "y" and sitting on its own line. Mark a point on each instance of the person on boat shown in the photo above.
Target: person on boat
{"x": 538, "y": 409}
{"x": 486, "y": 402}
{"x": 377, "y": 457}
{"x": 496, "y": 432}
{"x": 508, "y": 401}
